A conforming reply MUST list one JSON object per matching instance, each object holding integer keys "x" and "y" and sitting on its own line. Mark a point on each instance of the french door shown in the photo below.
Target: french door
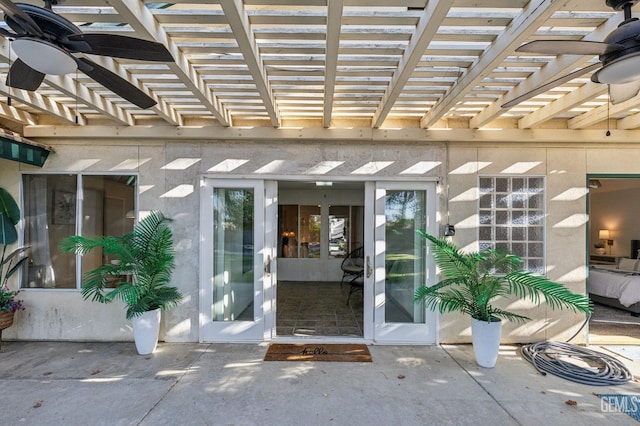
{"x": 397, "y": 260}
{"x": 235, "y": 263}
{"x": 238, "y": 249}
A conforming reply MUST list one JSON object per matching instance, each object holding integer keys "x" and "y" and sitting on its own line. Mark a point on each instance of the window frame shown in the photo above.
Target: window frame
{"x": 78, "y": 223}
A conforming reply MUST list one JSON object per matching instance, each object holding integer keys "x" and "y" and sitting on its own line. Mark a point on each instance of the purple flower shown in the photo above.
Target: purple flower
{"x": 9, "y": 301}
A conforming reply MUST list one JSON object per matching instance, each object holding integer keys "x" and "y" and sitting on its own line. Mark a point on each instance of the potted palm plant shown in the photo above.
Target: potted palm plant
{"x": 472, "y": 281}
{"x": 139, "y": 275}
{"x": 10, "y": 261}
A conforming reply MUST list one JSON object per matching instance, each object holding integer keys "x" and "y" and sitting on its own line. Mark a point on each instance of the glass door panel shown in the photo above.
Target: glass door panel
{"x": 404, "y": 261}
{"x": 232, "y": 261}
{"x": 233, "y": 254}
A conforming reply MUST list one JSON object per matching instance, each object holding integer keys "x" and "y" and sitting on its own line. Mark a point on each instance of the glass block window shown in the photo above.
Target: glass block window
{"x": 511, "y": 216}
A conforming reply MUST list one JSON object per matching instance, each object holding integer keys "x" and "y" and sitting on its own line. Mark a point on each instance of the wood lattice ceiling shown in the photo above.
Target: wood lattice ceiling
{"x": 333, "y": 63}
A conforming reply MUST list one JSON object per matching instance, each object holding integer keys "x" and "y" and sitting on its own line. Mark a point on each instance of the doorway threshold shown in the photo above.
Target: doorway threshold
{"x": 321, "y": 339}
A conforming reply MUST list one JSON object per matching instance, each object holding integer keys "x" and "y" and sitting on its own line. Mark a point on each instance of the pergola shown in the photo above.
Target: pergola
{"x": 332, "y": 68}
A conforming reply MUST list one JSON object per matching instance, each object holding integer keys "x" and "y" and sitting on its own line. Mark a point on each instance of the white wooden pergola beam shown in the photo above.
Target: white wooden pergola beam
{"x": 602, "y": 113}
{"x": 628, "y": 123}
{"x": 142, "y": 20}
{"x": 534, "y": 14}
{"x": 334, "y": 28}
{"x": 14, "y": 114}
{"x": 563, "y": 104}
{"x": 562, "y": 65}
{"x": 43, "y": 104}
{"x": 428, "y": 25}
{"x": 90, "y": 99}
{"x": 170, "y": 115}
{"x": 239, "y": 21}
{"x": 514, "y": 137}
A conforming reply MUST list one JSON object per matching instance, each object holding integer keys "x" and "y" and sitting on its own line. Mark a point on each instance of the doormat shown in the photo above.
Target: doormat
{"x": 318, "y": 352}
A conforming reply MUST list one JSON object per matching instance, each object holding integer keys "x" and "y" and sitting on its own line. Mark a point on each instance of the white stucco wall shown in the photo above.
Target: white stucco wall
{"x": 169, "y": 175}
{"x": 565, "y": 171}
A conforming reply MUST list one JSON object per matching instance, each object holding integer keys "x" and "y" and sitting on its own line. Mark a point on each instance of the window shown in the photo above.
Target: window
{"x": 511, "y": 215}
{"x": 53, "y": 204}
{"x": 302, "y": 226}
{"x": 338, "y": 226}
{"x": 310, "y": 223}
{"x": 288, "y": 231}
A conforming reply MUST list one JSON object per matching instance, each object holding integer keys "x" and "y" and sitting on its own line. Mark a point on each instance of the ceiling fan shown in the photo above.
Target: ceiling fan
{"x": 619, "y": 58}
{"x": 45, "y": 43}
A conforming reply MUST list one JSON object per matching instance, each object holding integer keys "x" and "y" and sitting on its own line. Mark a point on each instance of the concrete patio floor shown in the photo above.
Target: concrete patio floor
{"x": 62, "y": 383}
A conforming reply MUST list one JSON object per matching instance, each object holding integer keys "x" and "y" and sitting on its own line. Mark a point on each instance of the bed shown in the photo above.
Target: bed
{"x": 616, "y": 288}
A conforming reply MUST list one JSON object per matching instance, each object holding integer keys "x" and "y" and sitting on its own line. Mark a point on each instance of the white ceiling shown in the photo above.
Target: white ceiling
{"x": 335, "y": 64}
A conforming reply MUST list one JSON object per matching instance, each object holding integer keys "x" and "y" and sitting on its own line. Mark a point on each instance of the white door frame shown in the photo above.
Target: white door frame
{"x": 232, "y": 331}
{"x": 270, "y": 258}
{"x": 375, "y": 219}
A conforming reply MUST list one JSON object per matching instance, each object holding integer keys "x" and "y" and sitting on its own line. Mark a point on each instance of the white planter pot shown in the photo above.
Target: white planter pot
{"x": 145, "y": 331}
{"x": 486, "y": 341}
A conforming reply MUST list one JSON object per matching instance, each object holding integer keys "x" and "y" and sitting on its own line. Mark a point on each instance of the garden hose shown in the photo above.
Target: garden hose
{"x": 553, "y": 357}
{"x": 547, "y": 357}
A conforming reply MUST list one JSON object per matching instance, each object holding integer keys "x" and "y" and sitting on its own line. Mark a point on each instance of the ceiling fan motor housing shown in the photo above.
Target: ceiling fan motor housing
{"x": 625, "y": 35}
{"x": 620, "y": 4}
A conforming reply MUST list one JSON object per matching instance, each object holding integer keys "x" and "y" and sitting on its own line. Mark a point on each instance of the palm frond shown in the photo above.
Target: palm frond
{"x": 510, "y": 316}
{"x": 557, "y": 296}
{"x": 471, "y": 281}
{"x": 451, "y": 260}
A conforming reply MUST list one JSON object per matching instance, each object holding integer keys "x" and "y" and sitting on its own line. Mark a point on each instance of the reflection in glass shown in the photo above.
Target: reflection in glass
{"x": 405, "y": 261}
{"x": 233, "y": 229}
{"x": 106, "y": 201}
{"x": 338, "y": 230}
{"x": 310, "y": 231}
{"x": 288, "y": 215}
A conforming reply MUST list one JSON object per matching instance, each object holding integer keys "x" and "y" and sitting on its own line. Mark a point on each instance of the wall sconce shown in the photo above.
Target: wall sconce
{"x": 604, "y": 234}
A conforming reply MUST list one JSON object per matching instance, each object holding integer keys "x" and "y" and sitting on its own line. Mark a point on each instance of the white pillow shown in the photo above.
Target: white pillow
{"x": 627, "y": 264}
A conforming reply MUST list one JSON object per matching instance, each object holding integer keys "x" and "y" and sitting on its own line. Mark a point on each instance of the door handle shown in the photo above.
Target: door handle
{"x": 369, "y": 270}
{"x": 267, "y": 266}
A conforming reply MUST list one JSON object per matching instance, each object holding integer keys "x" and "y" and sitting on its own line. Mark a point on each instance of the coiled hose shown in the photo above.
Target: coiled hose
{"x": 553, "y": 357}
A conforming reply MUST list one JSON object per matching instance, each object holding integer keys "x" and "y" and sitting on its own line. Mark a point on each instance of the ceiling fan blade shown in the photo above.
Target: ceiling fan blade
{"x": 551, "y": 85}
{"x": 26, "y": 25}
{"x": 123, "y": 47}
{"x": 22, "y": 76}
{"x": 569, "y": 47}
{"x": 619, "y": 93}
{"x": 7, "y": 34}
{"x": 115, "y": 83}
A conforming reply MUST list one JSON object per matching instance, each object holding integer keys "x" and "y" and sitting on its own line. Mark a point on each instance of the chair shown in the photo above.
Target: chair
{"x": 356, "y": 283}
{"x": 352, "y": 265}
